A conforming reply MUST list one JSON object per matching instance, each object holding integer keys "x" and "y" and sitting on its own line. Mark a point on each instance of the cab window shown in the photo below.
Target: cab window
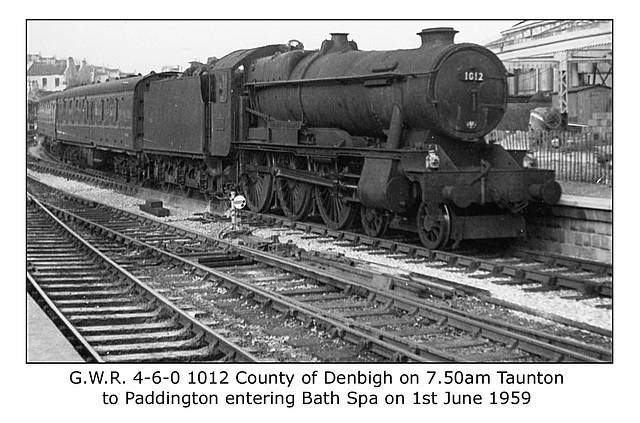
{"x": 222, "y": 88}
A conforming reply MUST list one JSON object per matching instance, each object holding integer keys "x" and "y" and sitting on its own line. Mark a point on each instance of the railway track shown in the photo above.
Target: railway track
{"x": 516, "y": 266}
{"x": 374, "y": 319}
{"x": 541, "y": 270}
{"x": 105, "y": 311}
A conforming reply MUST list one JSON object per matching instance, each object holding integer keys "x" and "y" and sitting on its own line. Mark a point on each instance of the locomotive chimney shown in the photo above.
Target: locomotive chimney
{"x": 338, "y": 43}
{"x": 437, "y": 36}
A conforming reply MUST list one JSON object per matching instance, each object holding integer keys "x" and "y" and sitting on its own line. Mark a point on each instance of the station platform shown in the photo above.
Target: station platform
{"x": 45, "y": 343}
{"x": 586, "y": 202}
{"x": 585, "y": 195}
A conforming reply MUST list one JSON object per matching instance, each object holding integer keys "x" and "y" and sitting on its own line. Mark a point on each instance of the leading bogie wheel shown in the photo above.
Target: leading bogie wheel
{"x": 374, "y": 222}
{"x": 434, "y": 225}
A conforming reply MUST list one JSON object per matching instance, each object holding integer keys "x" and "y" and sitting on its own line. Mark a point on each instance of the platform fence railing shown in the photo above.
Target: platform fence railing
{"x": 575, "y": 156}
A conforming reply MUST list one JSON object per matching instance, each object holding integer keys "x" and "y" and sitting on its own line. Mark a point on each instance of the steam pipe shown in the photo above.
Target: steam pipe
{"x": 394, "y": 136}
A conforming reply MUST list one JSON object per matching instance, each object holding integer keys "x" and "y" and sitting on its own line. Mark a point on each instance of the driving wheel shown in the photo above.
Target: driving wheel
{"x": 295, "y": 197}
{"x": 336, "y": 211}
{"x": 256, "y": 181}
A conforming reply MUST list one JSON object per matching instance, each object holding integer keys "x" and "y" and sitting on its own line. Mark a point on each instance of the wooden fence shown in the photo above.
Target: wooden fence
{"x": 575, "y": 156}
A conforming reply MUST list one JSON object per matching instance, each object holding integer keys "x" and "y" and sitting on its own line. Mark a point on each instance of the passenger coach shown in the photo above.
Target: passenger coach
{"x": 102, "y": 120}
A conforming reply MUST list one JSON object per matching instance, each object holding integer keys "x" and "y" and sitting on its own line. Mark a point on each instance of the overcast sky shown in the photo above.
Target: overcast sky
{"x": 144, "y": 45}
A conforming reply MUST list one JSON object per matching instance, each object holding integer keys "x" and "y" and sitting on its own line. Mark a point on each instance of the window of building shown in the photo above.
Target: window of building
{"x": 57, "y": 82}
{"x": 44, "y": 82}
{"x": 586, "y": 79}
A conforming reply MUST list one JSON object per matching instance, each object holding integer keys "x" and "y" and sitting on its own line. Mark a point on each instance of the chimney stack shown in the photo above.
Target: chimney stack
{"x": 437, "y": 36}
{"x": 338, "y": 43}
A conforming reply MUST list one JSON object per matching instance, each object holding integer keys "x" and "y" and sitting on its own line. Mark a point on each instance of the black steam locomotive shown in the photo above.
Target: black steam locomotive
{"x": 394, "y": 136}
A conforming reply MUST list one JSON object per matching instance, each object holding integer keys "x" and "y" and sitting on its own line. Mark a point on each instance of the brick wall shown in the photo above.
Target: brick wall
{"x": 572, "y": 231}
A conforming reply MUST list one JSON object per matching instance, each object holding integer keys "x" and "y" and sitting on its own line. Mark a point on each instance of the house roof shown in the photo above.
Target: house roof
{"x": 43, "y": 69}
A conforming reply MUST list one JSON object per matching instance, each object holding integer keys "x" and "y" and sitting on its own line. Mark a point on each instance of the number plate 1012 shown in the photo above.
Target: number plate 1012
{"x": 472, "y": 76}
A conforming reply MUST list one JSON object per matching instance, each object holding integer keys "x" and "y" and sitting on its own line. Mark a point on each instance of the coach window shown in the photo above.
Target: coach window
{"x": 126, "y": 111}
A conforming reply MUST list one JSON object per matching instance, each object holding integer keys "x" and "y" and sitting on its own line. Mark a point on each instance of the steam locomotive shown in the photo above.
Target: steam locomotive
{"x": 396, "y": 137}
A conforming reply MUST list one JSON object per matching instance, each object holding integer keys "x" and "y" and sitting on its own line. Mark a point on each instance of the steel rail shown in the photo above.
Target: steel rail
{"x": 528, "y": 342}
{"x": 535, "y": 346}
{"x": 76, "y": 339}
{"x": 272, "y": 299}
{"x": 548, "y": 277}
{"x": 230, "y": 350}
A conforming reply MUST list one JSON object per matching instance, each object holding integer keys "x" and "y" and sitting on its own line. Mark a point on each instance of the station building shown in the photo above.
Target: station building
{"x": 571, "y": 61}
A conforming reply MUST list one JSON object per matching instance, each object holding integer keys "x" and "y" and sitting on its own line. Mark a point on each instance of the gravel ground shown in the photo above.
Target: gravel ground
{"x": 550, "y": 303}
